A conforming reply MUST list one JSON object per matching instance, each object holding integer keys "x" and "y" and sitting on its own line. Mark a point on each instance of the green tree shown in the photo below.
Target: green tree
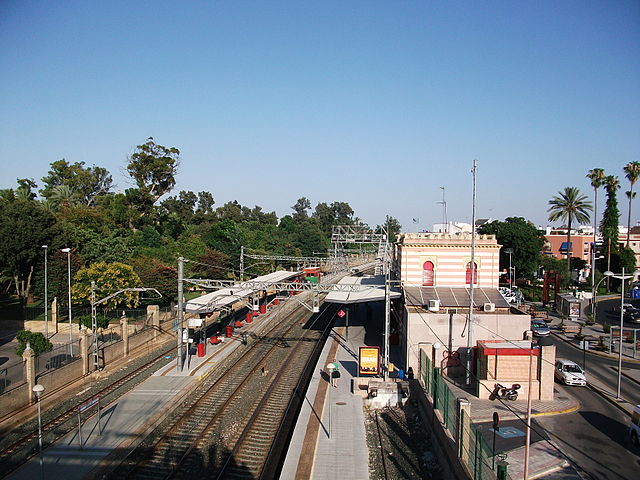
{"x": 392, "y": 227}
{"x": 154, "y": 168}
{"x": 632, "y": 172}
{"x": 109, "y": 278}
{"x": 24, "y": 227}
{"x": 36, "y": 340}
{"x": 610, "y": 218}
{"x": 569, "y": 206}
{"x": 596, "y": 176}
{"x": 523, "y": 238}
{"x": 300, "y": 209}
{"x": 155, "y": 274}
{"x": 80, "y": 183}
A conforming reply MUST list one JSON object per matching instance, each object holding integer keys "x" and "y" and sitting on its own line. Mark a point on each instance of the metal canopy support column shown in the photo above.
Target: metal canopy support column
{"x": 179, "y": 361}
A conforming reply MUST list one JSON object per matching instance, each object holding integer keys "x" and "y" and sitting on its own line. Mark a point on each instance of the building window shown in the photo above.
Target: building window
{"x": 427, "y": 274}
{"x": 475, "y": 276}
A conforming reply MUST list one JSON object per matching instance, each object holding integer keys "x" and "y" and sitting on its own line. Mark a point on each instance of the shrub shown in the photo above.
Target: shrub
{"x": 606, "y": 328}
{"x": 38, "y": 342}
{"x": 85, "y": 320}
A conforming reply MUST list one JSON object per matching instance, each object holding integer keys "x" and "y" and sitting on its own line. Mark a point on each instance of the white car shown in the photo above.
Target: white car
{"x": 569, "y": 373}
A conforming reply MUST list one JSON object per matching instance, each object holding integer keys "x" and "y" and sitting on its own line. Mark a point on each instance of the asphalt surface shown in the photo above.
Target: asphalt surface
{"x": 595, "y": 437}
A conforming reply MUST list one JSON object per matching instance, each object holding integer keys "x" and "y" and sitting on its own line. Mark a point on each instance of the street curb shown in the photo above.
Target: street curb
{"x": 538, "y": 414}
{"x": 608, "y": 399}
{"x": 557, "y": 412}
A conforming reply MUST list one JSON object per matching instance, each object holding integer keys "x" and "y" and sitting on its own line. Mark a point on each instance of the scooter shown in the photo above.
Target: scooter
{"x": 501, "y": 391}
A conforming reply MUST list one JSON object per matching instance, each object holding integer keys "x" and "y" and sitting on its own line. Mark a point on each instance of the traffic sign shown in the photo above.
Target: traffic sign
{"x": 341, "y": 313}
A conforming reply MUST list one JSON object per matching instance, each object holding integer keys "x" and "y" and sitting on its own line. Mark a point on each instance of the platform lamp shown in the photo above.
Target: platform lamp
{"x": 68, "y": 252}
{"x": 38, "y": 390}
{"x": 509, "y": 251}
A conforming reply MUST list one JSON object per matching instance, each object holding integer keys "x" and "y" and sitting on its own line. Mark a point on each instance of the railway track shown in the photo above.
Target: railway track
{"x": 22, "y": 444}
{"x": 232, "y": 424}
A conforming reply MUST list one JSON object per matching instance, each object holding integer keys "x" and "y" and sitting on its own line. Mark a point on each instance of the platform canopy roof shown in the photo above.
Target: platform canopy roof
{"x": 453, "y": 297}
{"x": 372, "y": 291}
{"x": 227, "y": 296}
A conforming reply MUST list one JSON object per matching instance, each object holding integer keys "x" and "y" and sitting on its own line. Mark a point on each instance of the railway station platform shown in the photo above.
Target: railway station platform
{"x": 329, "y": 439}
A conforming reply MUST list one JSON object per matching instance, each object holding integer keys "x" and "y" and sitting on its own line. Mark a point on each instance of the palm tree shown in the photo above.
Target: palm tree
{"x": 632, "y": 172}
{"x": 597, "y": 176}
{"x": 568, "y": 206}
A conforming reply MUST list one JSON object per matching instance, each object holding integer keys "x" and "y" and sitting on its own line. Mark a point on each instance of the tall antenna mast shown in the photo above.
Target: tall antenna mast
{"x": 473, "y": 274}
{"x": 444, "y": 211}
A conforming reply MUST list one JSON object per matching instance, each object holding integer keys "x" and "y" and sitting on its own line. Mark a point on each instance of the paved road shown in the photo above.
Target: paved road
{"x": 594, "y": 437}
{"x": 603, "y": 370}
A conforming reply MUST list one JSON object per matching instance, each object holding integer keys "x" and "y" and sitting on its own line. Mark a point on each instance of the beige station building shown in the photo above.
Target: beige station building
{"x": 435, "y": 272}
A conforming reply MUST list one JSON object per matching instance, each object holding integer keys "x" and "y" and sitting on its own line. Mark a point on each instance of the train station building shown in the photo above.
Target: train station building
{"x": 435, "y": 272}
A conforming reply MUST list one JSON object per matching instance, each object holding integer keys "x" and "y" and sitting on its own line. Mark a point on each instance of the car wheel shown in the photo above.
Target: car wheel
{"x": 634, "y": 438}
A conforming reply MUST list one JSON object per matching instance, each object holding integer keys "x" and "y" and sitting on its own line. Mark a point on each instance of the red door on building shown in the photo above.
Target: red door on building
{"x": 475, "y": 274}
{"x": 427, "y": 274}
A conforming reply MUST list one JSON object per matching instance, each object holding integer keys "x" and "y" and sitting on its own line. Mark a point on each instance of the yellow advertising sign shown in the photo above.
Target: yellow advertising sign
{"x": 369, "y": 360}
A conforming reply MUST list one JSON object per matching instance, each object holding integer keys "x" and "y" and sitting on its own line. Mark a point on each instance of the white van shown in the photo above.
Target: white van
{"x": 634, "y": 426}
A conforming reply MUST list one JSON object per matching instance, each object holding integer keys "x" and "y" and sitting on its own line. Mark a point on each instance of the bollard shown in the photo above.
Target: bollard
{"x": 502, "y": 469}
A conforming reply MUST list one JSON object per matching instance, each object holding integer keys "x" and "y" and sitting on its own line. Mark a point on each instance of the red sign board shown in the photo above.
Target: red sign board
{"x": 341, "y": 313}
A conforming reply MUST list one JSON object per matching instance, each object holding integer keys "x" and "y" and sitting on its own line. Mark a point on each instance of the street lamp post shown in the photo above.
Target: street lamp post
{"x": 68, "y": 252}
{"x": 46, "y": 298}
{"x": 509, "y": 251}
{"x": 38, "y": 390}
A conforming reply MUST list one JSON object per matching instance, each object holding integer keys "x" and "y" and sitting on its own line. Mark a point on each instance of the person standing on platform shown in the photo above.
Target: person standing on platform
{"x": 335, "y": 375}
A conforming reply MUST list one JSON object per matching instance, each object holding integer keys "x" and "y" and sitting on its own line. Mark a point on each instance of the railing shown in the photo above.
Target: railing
{"x": 472, "y": 447}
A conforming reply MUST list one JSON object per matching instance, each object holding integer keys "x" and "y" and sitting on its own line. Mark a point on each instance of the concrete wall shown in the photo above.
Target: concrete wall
{"x": 426, "y": 327}
{"x": 55, "y": 379}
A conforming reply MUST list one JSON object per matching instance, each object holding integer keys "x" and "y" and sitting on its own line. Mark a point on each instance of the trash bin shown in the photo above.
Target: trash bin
{"x": 201, "y": 349}
{"x": 228, "y": 331}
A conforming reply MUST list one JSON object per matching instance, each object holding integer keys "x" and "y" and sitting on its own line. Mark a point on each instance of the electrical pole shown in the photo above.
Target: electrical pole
{"x": 94, "y": 325}
{"x": 179, "y": 362}
{"x": 445, "y": 222}
{"x": 241, "y": 263}
{"x": 473, "y": 275}
{"x": 387, "y": 315}
{"x": 46, "y": 298}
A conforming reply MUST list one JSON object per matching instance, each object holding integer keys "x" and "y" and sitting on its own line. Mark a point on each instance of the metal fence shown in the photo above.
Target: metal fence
{"x": 62, "y": 354}
{"x": 472, "y": 446}
{"x": 630, "y": 341}
{"x": 11, "y": 375}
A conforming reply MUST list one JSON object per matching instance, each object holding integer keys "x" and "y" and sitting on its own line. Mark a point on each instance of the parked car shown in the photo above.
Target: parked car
{"x": 569, "y": 373}
{"x": 631, "y": 315}
{"x": 539, "y": 328}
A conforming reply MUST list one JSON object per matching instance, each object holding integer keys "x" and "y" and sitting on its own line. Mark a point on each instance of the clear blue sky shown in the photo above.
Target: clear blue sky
{"x": 374, "y": 103}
